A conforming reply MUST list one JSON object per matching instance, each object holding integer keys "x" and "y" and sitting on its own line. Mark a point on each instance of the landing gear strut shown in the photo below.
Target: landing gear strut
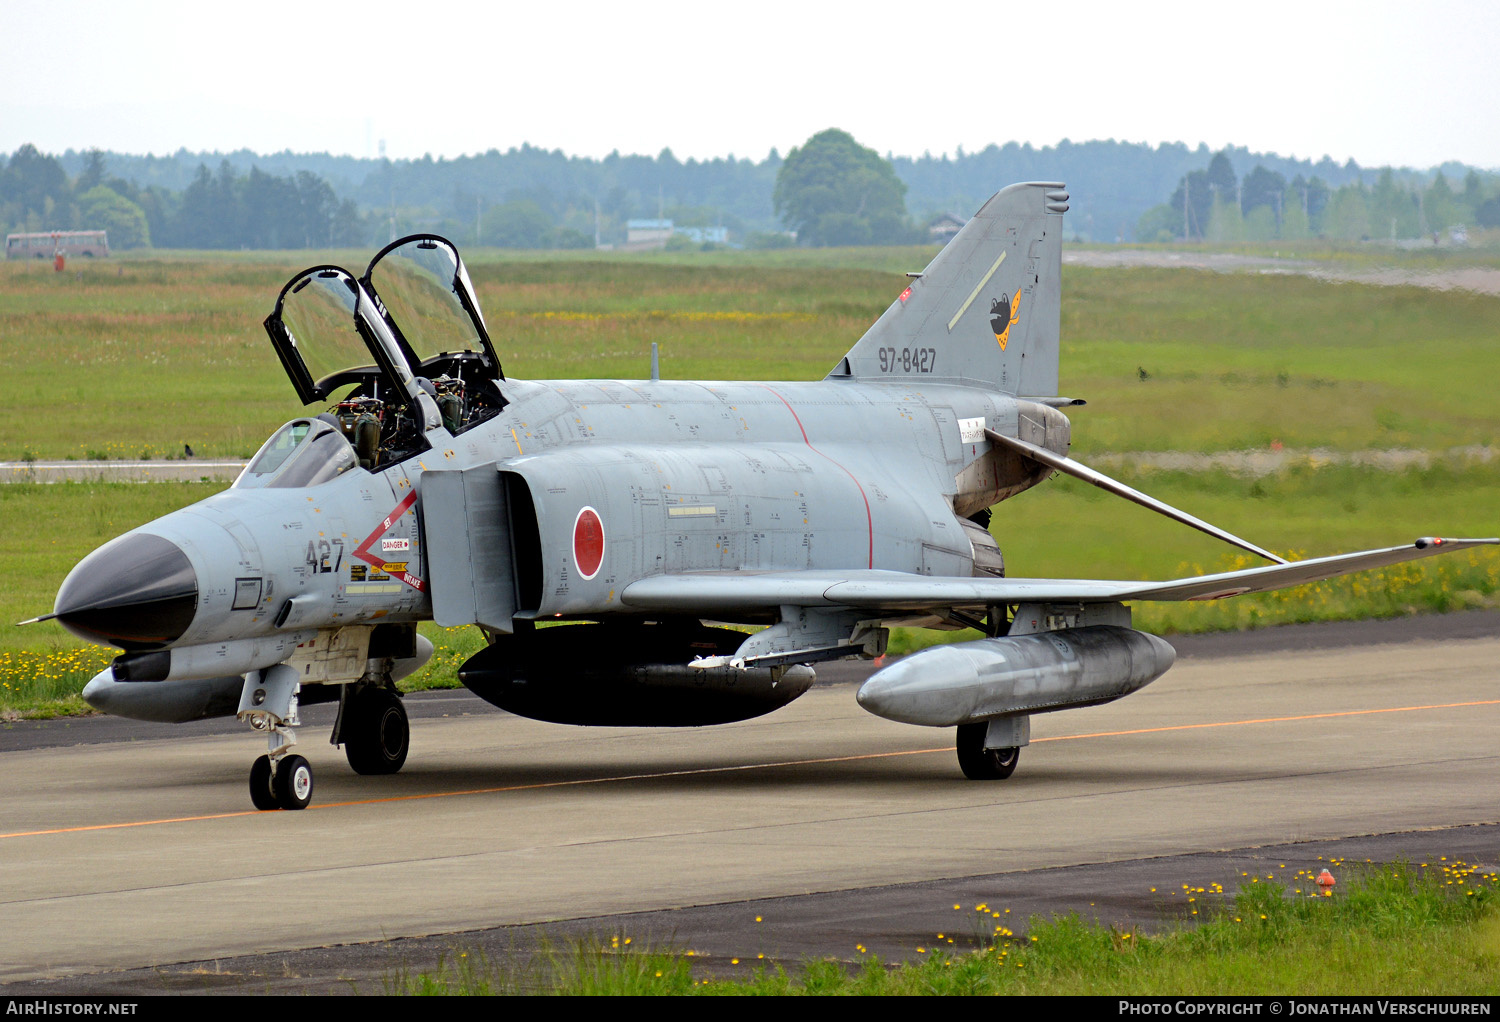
{"x": 268, "y": 703}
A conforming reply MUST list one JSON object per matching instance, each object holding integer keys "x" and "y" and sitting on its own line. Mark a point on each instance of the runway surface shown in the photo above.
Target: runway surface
{"x": 138, "y": 852}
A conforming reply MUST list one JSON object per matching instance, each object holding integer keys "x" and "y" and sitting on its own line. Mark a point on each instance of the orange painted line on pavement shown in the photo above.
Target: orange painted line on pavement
{"x": 481, "y": 791}
{"x": 1266, "y": 720}
{"x": 742, "y": 766}
{"x": 136, "y": 823}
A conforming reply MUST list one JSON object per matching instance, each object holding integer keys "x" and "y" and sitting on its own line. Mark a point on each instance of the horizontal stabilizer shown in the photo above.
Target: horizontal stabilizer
{"x": 1079, "y": 470}
{"x": 900, "y": 592}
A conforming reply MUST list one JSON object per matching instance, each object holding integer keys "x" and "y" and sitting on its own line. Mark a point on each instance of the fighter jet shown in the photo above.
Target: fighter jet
{"x": 603, "y": 533}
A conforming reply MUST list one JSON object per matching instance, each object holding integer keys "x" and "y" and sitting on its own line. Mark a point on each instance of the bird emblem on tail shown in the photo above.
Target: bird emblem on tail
{"x": 1004, "y": 311}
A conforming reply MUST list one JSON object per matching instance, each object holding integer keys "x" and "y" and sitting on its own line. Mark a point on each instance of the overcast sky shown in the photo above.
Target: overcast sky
{"x": 1409, "y": 83}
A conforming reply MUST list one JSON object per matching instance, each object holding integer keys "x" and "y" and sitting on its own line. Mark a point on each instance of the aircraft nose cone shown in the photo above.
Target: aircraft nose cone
{"x": 137, "y": 592}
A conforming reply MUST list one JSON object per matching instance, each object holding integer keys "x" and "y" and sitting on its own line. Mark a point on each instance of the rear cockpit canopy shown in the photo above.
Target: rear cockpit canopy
{"x": 423, "y": 290}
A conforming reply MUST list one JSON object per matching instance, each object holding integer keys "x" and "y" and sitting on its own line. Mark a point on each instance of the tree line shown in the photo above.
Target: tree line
{"x": 220, "y": 210}
{"x": 1213, "y": 204}
{"x": 529, "y": 197}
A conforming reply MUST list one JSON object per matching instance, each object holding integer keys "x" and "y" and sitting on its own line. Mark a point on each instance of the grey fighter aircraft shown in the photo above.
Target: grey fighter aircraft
{"x": 633, "y": 513}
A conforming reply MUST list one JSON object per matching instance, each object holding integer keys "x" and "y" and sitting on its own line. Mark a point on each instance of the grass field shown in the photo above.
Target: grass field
{"x": 137, "y": 356}
{"x": 140, "y": 356}
{"x": 1401, "y": 930}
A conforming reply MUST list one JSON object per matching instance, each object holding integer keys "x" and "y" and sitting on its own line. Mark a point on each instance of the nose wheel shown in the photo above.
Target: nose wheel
{"x": 286, "y": 784}
{"x": 260, "y": 784}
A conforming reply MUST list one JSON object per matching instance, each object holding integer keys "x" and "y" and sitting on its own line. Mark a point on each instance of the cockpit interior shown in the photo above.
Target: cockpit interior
{"x": 389, "y": 355}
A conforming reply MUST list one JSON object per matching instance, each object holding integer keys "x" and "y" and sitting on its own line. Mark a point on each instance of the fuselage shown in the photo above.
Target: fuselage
{"x": 675, "y": 476}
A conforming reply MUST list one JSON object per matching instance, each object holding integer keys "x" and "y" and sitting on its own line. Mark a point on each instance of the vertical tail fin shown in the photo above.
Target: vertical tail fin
{"x": 985, "y": 311}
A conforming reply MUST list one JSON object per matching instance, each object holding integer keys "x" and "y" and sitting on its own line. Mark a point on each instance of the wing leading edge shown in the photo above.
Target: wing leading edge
{"x": 894, "y": 591}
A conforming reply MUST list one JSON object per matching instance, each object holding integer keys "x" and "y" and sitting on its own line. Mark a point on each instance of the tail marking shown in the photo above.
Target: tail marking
{"x": 975, "y": 293}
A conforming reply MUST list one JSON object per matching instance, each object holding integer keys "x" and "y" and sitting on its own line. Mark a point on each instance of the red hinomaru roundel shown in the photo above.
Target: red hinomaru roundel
{"x": 588, "y": 542}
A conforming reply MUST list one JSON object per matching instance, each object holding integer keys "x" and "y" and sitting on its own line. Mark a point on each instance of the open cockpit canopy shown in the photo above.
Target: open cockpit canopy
{"x": 328, "y": 334}
{"x": 404, "y": 347}
{"x": 423, "y": 289}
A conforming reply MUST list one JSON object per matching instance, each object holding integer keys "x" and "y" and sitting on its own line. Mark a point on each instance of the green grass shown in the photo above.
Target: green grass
{"x": 888, "y": 259}
{"x": 149, "y": 353}
{"x": 1299, "y": 513}
{"x": 1240, "y": 361}
{"x": 1393, "y": 930}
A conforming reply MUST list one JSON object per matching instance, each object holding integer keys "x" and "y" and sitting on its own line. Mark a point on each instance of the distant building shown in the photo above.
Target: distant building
{"x": 646, "y": 235}
{"x": 942, "y": 229}
{"x": 700, "y": 235}
{"x": 652, "y": 235}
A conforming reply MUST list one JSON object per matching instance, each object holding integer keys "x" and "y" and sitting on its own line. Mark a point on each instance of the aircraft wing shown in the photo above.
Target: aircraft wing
{"x": 895, "y": 591}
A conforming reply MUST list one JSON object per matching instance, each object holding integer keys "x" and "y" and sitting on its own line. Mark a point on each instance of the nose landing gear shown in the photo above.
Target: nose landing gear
{"x": 268, "y": 702}
{"x": 372, "y": 726}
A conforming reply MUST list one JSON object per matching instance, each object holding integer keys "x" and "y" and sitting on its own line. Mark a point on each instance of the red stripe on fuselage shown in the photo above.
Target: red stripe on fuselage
{"x": 869, "y": 519}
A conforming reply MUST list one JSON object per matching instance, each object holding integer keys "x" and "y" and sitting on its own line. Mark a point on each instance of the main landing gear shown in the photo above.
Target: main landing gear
{"x": 979, "y": 763}
{"x": 374, "y": 730}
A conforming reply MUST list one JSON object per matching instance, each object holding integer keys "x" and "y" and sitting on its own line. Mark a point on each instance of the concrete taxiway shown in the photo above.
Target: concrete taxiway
{"x": 122, "y": 854}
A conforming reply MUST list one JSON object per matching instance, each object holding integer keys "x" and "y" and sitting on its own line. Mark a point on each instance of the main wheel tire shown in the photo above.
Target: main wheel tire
{"x": 979, "y": 763}
{"x": 294, "y": 782}
{"x": 261, "y": 794}
{"x": 377, "y": 735}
